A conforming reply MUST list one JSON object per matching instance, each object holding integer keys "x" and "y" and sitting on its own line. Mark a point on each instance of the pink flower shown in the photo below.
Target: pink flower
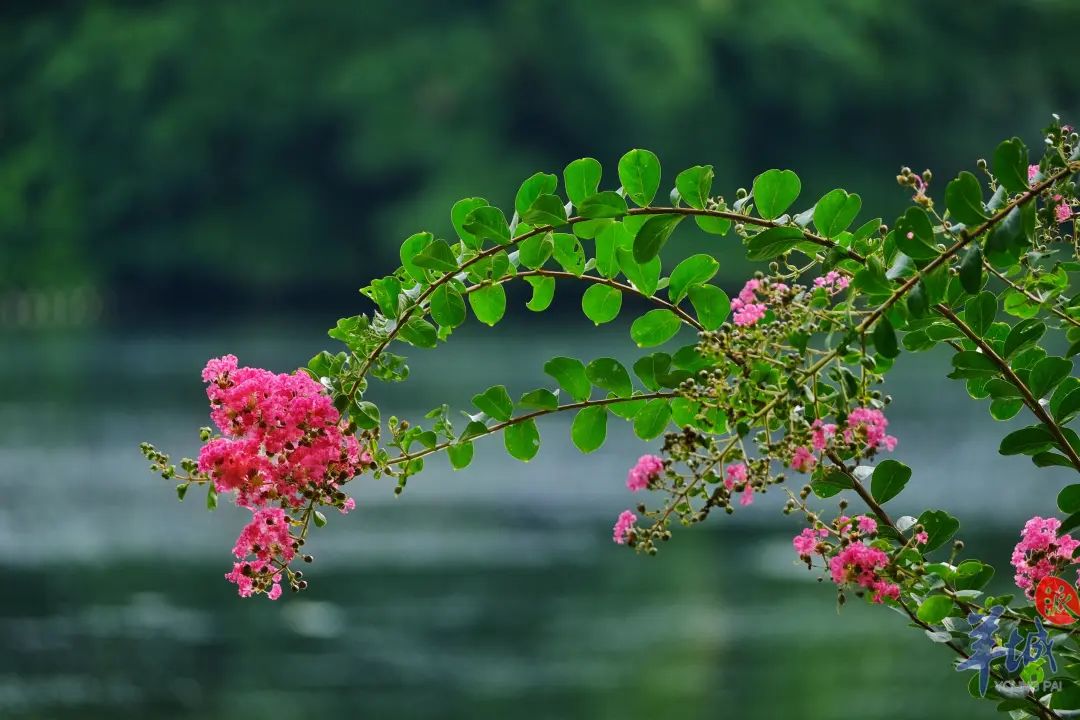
{"x": 883, "y": 589}
{"x": 747, "y": 497}
{"x": 647, "y": 469}
{"x": 1041, "y": 552}
{"x": 746, "y": 308}
{"x": 1062, "y": 213}
{"x": 922, "y": 538}
{"x": 1033, "y": 172}
{"x": 282, "y": 444}
{"x": 867, "y": 525}
{"x": 822, "y": 432}
{"x": 748, "y": 313}
{"x": 279, "y": 435}
{"x": 348, "y": 506}
{"x": 832, "y": 281}
{"x": 858, "y": 564}
{"x": 803, "y": 460}
{"x": 622, "y": 527}
{"x": 734, "y": 473}
{"x": 867, "y": 426}
{"x": 806, "y": 542}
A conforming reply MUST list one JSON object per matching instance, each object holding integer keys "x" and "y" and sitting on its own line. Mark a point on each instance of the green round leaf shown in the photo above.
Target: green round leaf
{"x": 410, "y": 249}
{"x": 534, "y": 251}
{"x": 655, "y": 327}
{"x": 935, "y": 608}
{"x": 1010, "y": 165}
{"x": 1047, "y": 373}
{"x": 645, "y": 277}
{"x": 1026, "y": 441}
{"x": 447, "y": 306}
{"x": 570, "y": 374}
{"x": 537, "y": 185}
{"x": 460, "y": 213}
{"x": 914, "y": 234}
{"x": 940, "y": 526}
{"x": 651, "y": 420}
{"x": 695, "y": 185}
{"x": 569, "y": 253}
{"x": 540, "y": 399}
{"x": 980, "y": 311}
{"x": 488, "y": 303}
{"x": 775, "y": 191}
{"x": 581, "y": 179}
{"x": 889, "y": 478}
{"x": 488, "y": 223}
{"x": 971, "y": 269}
{"x": 601, "y": 303}
{"x": 694, "y": 270}
{"x": 711, "y": 304}
{"x": 589, "y": 428}
{"x": 460, "y": 454}
{"x": 603, "y": 205}
{"x": 651, "y": 368}
{"x": 495, "y": 402}
{"x": 609, "y": 374}
{"x": 653, "y": 235}
{"x": 1068, "y": 500}
{"x": 885, "y": 338}
{"x": 543, "y": 292}
{"x": 546, "y": 210}
{"x": 773, "y": 243}
{"x": 418, "y": 332}
{"x": 835, "y": 212}
{"x": 522, "y": 440}
{"x": 963, "y": 198}
{"x": 639, "y": 173}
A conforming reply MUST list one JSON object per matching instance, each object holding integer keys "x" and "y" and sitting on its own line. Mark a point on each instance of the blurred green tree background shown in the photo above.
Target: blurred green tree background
{"x": 274, "y": 155}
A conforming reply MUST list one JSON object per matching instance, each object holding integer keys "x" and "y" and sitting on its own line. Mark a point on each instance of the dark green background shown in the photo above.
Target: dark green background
{"x": 179, "y": 180}
{"x": 215, "y": 157}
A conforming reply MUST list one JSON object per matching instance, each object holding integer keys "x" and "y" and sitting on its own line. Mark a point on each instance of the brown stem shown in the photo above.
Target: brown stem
{"x": 1033, "y": 298}
{"x": 862, "y": 492}
{"x": 1030, "y": 400}
{"x": 660, "y": 302}
{"x": 529, "y": 416}
{"x": 966, "y": 237}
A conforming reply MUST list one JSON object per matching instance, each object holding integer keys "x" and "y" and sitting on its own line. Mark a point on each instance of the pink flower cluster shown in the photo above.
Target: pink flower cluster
{"x": 746, "y": 308}
{"x": 859, "y": 563}
{"x": 283, "y": 443}
{"x": 832, "y": 281}
{"x": 806, "y": 543}
{"x": 267, "y": 538}
{"x": 1033, "y": 172}
{"x": 281, "y": 435}
{"x": 647, "y": 469}
{"x": 735, "y": 475}
{"x": 623, "y": 525}
{"x": 1041, "y": 552}
{"x": 867, "y": 426}
{"x": 1062, "y": 211}
{"x": 803, "y": 460}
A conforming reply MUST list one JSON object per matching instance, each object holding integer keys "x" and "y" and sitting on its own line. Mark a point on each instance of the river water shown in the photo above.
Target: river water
{"x": 489, "y": 593}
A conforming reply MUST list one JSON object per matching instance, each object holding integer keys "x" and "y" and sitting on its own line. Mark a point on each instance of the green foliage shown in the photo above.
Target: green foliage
{"x": 654, "y": 328}
{"x": 639, "y": 173}
{"x": 601, "y": 303}
{"x": 789, "y": 386}
{"x": 835, "y": 212}
{"x": 775, "y": 191}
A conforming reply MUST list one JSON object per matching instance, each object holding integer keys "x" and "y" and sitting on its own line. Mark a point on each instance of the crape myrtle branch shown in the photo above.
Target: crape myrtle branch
{"x": 783, "y": 375}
